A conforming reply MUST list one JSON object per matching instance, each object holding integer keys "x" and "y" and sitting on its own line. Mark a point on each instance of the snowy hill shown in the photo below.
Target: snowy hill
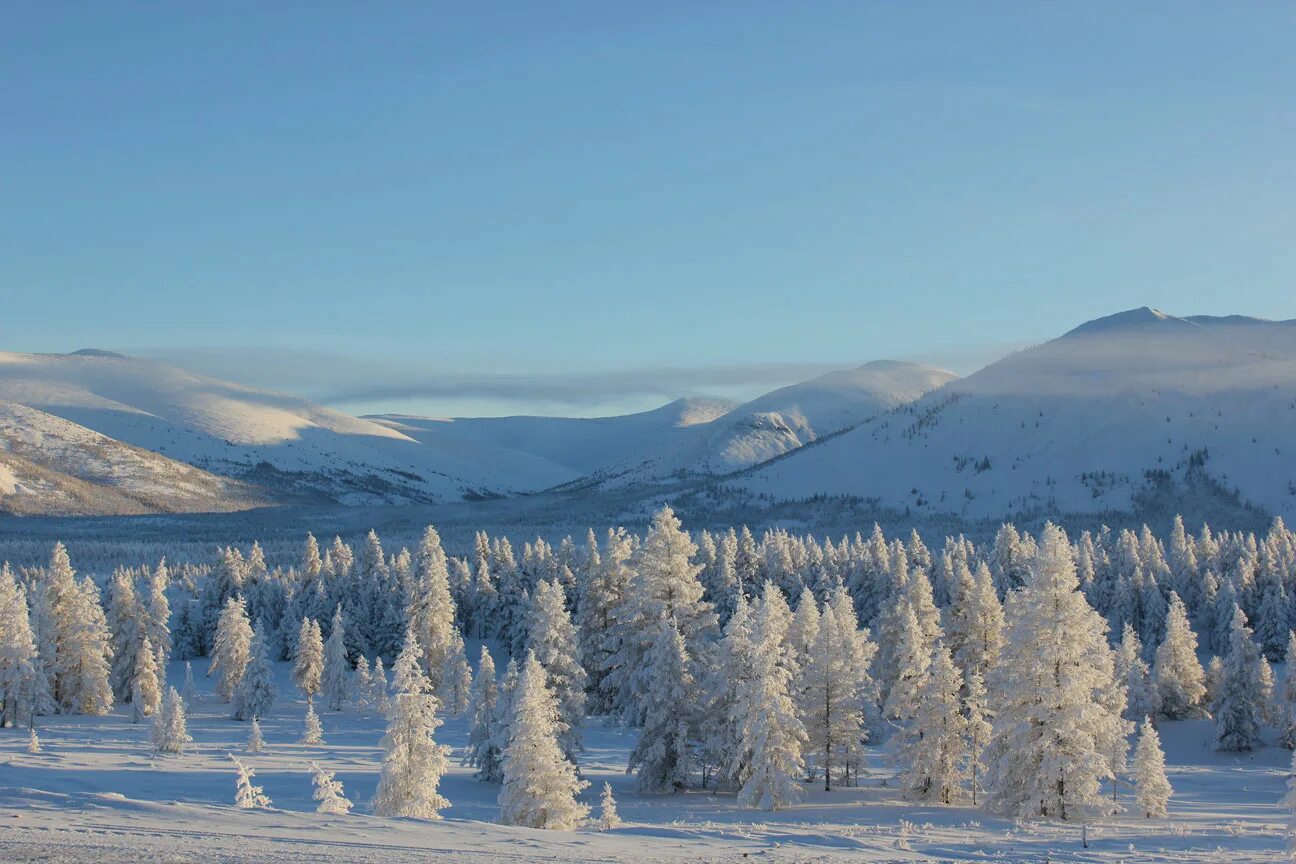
{"x": 691, "y": 436}
{"x": 51, "y": 465}
{"x": 294, "y": 449}
{"x": 1132, "y": 405}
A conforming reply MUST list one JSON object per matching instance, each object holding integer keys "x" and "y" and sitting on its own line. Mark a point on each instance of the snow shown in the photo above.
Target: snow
{"x": 98, "y": 793}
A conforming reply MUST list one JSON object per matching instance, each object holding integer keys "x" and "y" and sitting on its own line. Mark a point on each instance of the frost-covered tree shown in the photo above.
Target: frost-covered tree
{"x": 456, "y": 677}
{"x": 1273, "y": 620}
{"x": 190, "y": 692}
{"x": 664, "y": 584}
{"x": 170, "y": 733}
{"x": 721, "y": 730}
{"x": 772, "y": 732}
{"x": 1151, "y": 788}
{"x": 804, "y": 628}
{"x": 1176, "y": 672}
{"x": 308, "y": 658}
{"x": 328, "y": 792}
{"x": 662, "y": 756}
{"x": 431, "y": 609}
{"x": 157, "y": 613}
{"x": 483, "y": 707}
{"x": 256, "y": 743}
{"x": 335, "y": 680}
{"x": 1055, "y": 733}
{"x": 911, "y": 655}
{"x": 20, "y": 676}
{"x": 979, "y": 730}
{"x": 932, "y": 751}
{"x": 552, "y": 637}
{"x": 1141, "y": 695}
{"x": 976, "y": 623}
{"x": 1287, "y": 720}
{"x": 146, "y": 686}
{"x": 413, "y": 762}
{"x": 125, "y": 616}
{"x": 84, "y": 653}
{"x": 231, "y": 648}
{"x": 836, "y": 688}
{"x": 312, "y": 729}
{"x": 378, "y": 686}
{"x": 256, "y": 692}
{"x": 540, "y": 784}
{"x": 608, "y": 817}
{"x": 602, "y": 589}
{"x": 363, "y": 684}
{"x": 1239, "y": 709}
{"x": 246, "y": 795}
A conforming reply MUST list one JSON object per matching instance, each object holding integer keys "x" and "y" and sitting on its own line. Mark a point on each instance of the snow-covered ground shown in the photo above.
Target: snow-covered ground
{"x": 97, "y": 793}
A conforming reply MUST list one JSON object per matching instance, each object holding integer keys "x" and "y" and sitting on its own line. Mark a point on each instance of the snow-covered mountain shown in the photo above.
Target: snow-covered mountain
{"x": 49, "y": 465}
{"x": 691, "y": 436}
{"x": 291, "y": 448}
{"x": 1133, "y": 405}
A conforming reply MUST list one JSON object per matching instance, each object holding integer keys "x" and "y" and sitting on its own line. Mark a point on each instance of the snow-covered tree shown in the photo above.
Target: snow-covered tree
{"x": 804, "y": 628}
{"x": 125, "y": 617}
{"x": 1239, "y": 709}
{"x": 1054, "y": 732}
{"x": 1273, "y": 620}
{"x": 662, "y": 756}
{"x": 413, "y": 762}
{"x": 979, "y": 730}
{"x": 608, "y": 817}
{"x": 1175, "y": 671}
{"x": 483, "y": 706}
{"x": 721, "y": 730}
{"x": 772, "y": 732}
{"x": 1151, "y": 788}
{"x": 308, "y": 658}
{"x": 256, "y": 743}
{"x": 170, "y": 733}
{"x": 157, "y": 613}
{"x": 33, "y": 741}
{"x": 378, "y": 685}
{"x": 456, "y": 677}
{"x": 256, "y": 692}
{"x": 976, "y": 623}
{"x": 146, "y": 688}
{"x": 540, "y": 784}
{"x": 1287, "y": 720}
{"x": 231, "y": 648}
{"x": 431, "y": 609}
{"x": 605, "y": 581}
{"x": 911, "y": 656}
{"x": 328, "y": 792}
{"x": 1141, "y": 695}
{"x": 190, "y": 692}
{"x": 363, "y": 684}
{"x": 84, "y": 652}
{"x": 836, "y": 687}
{"x": 552, "y": 637}
{"x": 312, "y": 730}
{"x": 246, "y": 795}
{"x": 335, "y": 679}
{"x": 19, "y": 673}
{"x": 932, "y": 751}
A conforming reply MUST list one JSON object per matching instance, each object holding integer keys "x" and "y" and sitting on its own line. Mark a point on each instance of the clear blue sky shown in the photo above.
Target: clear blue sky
{"x": 456, "y": 200}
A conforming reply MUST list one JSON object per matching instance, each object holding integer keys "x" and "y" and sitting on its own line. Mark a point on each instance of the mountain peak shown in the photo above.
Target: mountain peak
{"x": 1144, "y": 316}
{"x": 98, "y": 352}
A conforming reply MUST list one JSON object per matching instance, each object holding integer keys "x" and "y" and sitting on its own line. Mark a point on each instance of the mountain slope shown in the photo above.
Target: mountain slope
{"x": 297, "y": 450}
{"x": 1076, "y": 425}
{"x": 49, "y": 465}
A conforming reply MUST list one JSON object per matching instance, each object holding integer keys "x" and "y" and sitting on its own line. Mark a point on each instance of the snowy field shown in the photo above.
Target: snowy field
{"x": 97, "y": 793}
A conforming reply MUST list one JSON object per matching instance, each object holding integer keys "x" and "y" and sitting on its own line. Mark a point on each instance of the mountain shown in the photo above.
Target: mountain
{"x": 49, "y": 465}
{"x": 690, "y": 436}
{"x": 292, "y": 449}
{"x": 1108, "y": 417}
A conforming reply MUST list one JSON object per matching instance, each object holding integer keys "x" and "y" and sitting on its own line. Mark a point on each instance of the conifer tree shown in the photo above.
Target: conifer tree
{"x": 20, "y": 677}
{"x": 456, "y": 678}
{"x": 662, "y": 756}
{"x": 483, "y": 707}
{"x": 772, "y": 732}
{"x": 1287, "y": 720}
{"x": 328, "y": 792}
{"x": 1142, "y": 698}
{"x": 912, "y": 656}
{"x": 157, "y": 613}
{"x": 977, "y": 625}
{"x": 256, "y": 743}
{"x": 256, "y": 692}
{"x": 312, "y": 730}
{"x": 932, "y": 751}
{"x": 553, "y": 639}
{"x": 835, "y": 692}
{"x": 608, "y": 818}
{"x": 308, "y": 659}
{"x": 363, "y": 684}
{"x": 146, "y": 688}
{"x": 1151, "y": 788}
{"x": 413, "y": 762}
{"x": 84, "y": 652}
{"x": 979, "y": 730}
{"x": 170, "y": 733}
{"x": 606, "y": 579}
{"x": 431, "y": 607}
{"x": 722, "y": 734}
{"x": 540, "y": 785}
{"x": 1239, "y": 708}
{"x": 247, "y": 796}
{"x": 1175, "y": 671}
{"x": 33, "y": 741}
{"x": 190, "y": 692}
{"x": 124, "y": 615}
{"x": 1055, "y": 734}
{"x": 231, "y": 648}
{"x": 335, "y": 680}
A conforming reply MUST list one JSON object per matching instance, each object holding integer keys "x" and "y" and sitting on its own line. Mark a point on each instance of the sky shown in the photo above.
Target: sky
{"x": 591, "y": 207}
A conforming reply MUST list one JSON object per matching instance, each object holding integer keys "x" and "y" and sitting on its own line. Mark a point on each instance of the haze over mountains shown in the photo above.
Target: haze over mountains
{"x": 1121, "y": 408}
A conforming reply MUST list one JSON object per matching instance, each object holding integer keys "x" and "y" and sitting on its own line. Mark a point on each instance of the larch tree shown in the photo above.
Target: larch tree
{"x": 932, "y": 750}
{"x": 608, "y": 817}
{"x": 836, "y": 687}
{"x": 308, "y": 659}
{"x": 1055, "y": 733}
{"x": 125, "y": 615}
{"x": 456, "y": 677}
{"x": 84, "y": 653}
{"x": 1142, "y": 696}
{"x": 335, "y": 680}
{"x": 328, "y": 792}
{"x": 146, "y": 686}
{"x": 772, "y": 732}
{"x": 413, "y": 762}
{"x": 977, "y": 624}
{"x": 231, "y": 647}
{"x": 157, "y": 613}
{"x": 552, "y": 637}
{"x": 979, "y": 730}
{"x": 662, "y": 756}
{"x": 256, "y": 692}
{"x": 431, "y": 609}
{"x": 1176, "y": 672}
{"x": 312, "y": 729}
{"x": 256, "y": 742}
{"x": 1287, "y": 724}
{"x": 911, "y": 655}
{"x": 1151, "y": 788}
{"x": 540, "y": 784}
{"x": 170, "y": 733}
{"x": 483, "y": 749}
{"x": 246, "y": 795}
{"x": 721, "y": 732}
{"x": 1239, "y": 709}
{"x": 19, "y": 674}
{"x": 605, "y": 580}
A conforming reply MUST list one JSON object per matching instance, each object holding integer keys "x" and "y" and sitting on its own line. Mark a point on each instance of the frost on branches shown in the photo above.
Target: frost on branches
{"x": 413, "y": 762}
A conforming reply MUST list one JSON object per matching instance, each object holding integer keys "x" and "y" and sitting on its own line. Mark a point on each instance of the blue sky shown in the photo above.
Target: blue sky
{"x": 450, "y": 208}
